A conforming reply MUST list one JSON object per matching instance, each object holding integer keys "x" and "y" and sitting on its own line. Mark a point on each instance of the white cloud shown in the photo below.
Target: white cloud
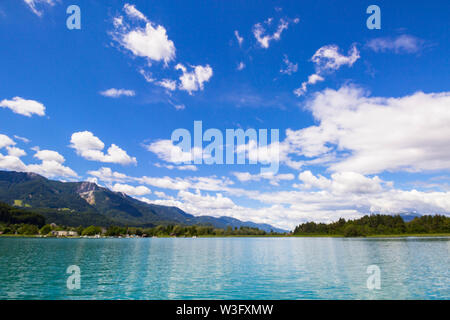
{"x": 207, "y": 201}
{"x": 11, "y": 163}
{"x": 273, "y": 178}
{"x": 194, "y": 80}
{"x": 401, "y": 44}
{"x": 147, "y": 75}
{"x": 51, "y": 165}
{"x": 6, "y": 141}
{"x": 188, "y": 167}
{"x": 116, "y": 93}
{"x": 131, "y": 190}
{"x": 107, "y": 175}
{"x": 200, "y": 204}
{"x": 16, "y": 152}
{"x": 202, "y": 183}
{"x": 167, "y": 151}
{"x": 150, "y": 42}
{"x": 289, "y": 208}
{"x": 239, "y": 39}
{"x": 170, "y": 85}
{"x": 132, "y": 12}
{"x": 290, "y": 67}
{"x": 312, "y": 79}
{"x": 49, "y": 155}
{"x": 327, "y": 59}
{"x": 375, "y": 134}
{"x": 342, "y": 182}
{"x": 343, "y": 194}
{"x": 12, "y": 160}
{"x": 165, "y": 182}
{"x": 240, "y": 66}
{"x": 311, "y": 181}
{"x": 90, "y": 147}
{"x": 25, "y": 140}
{"x": 51, "y": 161}
{"x": 264, "y": 39}
{"x": 24, "y": 107}
{"x": 32, "y": 5}
{"x": 162, "y": 195}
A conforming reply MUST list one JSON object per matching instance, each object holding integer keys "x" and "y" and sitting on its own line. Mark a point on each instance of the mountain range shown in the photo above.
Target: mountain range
{"x": 86, "y": 203}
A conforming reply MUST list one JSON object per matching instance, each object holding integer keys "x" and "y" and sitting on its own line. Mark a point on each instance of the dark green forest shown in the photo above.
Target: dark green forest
{"x": 14, "y": 220}
{"x": 377, "y": 225}
{"x": 186, "y": 231}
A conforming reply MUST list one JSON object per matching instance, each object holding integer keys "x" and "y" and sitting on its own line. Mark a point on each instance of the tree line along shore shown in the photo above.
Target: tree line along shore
{"x": 18, "y": 222}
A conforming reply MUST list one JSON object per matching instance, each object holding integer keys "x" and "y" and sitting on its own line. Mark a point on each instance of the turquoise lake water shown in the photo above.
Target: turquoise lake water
{"x": 225, "y": 268}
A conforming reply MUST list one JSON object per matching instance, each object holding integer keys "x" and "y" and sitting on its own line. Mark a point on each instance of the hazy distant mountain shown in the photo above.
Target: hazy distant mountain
{"x": 86, "y": 203}
{"x": 408, "y": 216}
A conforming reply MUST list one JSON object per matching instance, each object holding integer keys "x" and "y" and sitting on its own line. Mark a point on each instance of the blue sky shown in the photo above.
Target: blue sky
{"x": 368, "y": 134}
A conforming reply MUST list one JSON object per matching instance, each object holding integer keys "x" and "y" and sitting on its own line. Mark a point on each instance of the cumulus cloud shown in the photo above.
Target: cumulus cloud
{"x": 259, "y": 31}
{"x": 51, "y": 165}
{"x": 144, "y": 38}
{"x": 91, "y": 148}
{"x": 375, "y": 134}
{"x": 402, "y": 44}
{"x": 24, "y": 107}
{"x": 167, "y": 151}
{"x": 327, "y": 59}
{"x": 5, "y": 141}
{"x": 150, "y": 42}
{"x": 346, "y": 195}
{"x": 318, "y": 198}
{"x": 116, "y": 93}
{"x": 289, "y": 208}
{"x": 51, "y": 161}
{"x": 194, "y": 80}
{"x": 131, "y": 190}
{"x": 342, "y": 182}
{"x": 16, "y": 152}
{"x": 197, "y": 203}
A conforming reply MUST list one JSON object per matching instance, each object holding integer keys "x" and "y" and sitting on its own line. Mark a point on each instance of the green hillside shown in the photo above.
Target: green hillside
{"x": 85, "y": 204}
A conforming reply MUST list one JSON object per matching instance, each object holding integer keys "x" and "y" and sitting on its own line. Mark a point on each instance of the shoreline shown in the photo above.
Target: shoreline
{"x": 409, "y": 235}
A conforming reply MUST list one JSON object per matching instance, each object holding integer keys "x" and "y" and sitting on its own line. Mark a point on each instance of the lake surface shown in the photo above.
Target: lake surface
{"x": 225, "y": 268}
